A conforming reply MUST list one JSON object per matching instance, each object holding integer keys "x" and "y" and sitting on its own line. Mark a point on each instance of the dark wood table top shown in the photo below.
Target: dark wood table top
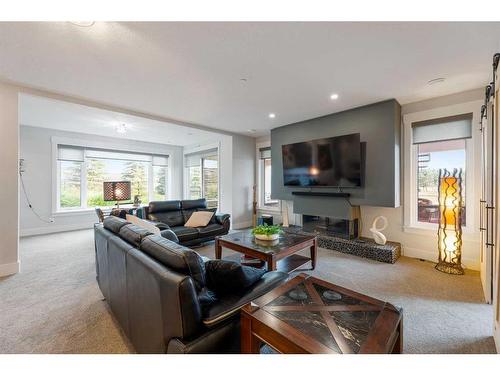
{"x": 316, "y": 316}
{"x": 283, "y": 243}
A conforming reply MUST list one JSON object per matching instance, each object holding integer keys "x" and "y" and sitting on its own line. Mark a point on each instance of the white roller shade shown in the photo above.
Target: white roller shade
{"x": 442, "y": 129}
{"x": 117, "y": 155}
{"x": 70, "y": 153}
{"x": 265, "y": 153}
{"x": 160, "y": 161}
{"x": 194, "y": 160}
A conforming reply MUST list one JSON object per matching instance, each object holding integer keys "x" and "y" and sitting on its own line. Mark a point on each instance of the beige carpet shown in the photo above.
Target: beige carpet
{"x": 54, "y": 304}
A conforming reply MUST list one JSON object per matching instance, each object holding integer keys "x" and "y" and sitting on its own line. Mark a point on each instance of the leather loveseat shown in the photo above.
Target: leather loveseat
{"x": 157, "y": 290}
{"x": 174, "y": 214}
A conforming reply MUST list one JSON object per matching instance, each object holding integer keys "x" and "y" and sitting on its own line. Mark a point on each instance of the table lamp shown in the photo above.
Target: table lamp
{"x": 450, "y": 222}
{"x": 116, "y": 191}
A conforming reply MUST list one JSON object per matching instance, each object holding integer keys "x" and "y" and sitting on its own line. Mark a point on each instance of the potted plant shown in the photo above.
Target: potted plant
{"x": 267, "y": 232}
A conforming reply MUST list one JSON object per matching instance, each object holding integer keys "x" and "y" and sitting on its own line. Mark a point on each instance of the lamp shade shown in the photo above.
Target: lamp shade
{"x": 116, "y": 190}
{"x": 450, "y": 223}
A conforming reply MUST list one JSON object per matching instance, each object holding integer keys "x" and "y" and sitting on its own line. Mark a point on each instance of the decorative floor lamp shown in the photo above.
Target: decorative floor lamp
{"x": 116, "y": 191}
{"x": 450, "y": 222}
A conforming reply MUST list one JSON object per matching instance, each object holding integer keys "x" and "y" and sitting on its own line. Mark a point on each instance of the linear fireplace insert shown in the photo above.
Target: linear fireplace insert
{"x": 332, "y": 226}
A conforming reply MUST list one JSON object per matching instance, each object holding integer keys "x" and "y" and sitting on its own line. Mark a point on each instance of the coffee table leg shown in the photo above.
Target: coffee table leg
{"x": 398, "y": 345}
{"x": 249, "y": 343}
{"x": 271, "y": 264}
{"x": 218, "y": 249}
{"x": 314, "y": 253}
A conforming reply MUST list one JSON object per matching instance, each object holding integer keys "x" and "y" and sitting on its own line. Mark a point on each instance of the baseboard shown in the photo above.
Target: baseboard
{"x": 411, "y": 252}
{"x": 9, "y": 269}
{"x": 242, "y": 225}
{"x": 52, "y": 229}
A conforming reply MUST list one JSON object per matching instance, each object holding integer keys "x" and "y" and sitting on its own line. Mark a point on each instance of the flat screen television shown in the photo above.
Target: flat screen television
{"x": 332, "y": 162}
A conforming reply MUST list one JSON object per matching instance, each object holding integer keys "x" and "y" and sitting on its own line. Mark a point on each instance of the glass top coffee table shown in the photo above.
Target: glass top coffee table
{"x": 279, "y": 254}
{"x": 309, "y": 315}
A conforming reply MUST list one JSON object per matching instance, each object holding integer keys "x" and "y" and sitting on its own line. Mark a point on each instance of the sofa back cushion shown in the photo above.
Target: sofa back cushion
{"x": 114, "y": 223}
{"x": 176, "y": 257}
{"x": 133, "y": 234}
{"x": 192, "y": 205}
{"x": 168, "y": 212}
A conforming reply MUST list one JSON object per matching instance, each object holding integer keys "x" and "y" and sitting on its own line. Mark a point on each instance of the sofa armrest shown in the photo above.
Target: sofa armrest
{"x": 169, "y": 235}
{"x": 222, "y": 218}
{"x": 142, "y": 212}
{"x": 230, "y": 305}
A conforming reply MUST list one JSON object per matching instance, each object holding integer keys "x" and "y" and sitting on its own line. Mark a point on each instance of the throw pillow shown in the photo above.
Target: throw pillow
{"x": 224, "y": 276}
{"x": 199, "y": 219}
{"x": 143, "y": 224}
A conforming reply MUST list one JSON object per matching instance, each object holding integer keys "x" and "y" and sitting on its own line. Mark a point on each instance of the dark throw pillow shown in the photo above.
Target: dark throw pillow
{"x": 224, "y": 276}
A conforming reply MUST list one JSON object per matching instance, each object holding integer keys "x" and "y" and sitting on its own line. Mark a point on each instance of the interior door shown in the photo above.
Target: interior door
{"x": 485, "y": 204}
{"x": 496, "y": 250}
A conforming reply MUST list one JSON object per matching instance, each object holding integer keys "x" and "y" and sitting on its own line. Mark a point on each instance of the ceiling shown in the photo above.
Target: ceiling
{"x": 193, "y": 72}
{"x": 54, "y": 114}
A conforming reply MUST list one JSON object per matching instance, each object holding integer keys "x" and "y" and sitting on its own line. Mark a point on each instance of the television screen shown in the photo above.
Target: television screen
{"x": 323, "y": 162}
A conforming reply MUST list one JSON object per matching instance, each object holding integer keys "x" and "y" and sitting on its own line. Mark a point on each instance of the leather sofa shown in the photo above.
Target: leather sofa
{"x": 158, "y": 293}
{"x": 174, "y": 214}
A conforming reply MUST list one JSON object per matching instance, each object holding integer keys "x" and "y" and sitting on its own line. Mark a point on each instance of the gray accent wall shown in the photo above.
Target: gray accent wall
{"x": 379, "y": 126}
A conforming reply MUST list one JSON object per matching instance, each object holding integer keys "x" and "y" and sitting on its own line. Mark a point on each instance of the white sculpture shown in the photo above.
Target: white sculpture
{"x": 376, "y": 232}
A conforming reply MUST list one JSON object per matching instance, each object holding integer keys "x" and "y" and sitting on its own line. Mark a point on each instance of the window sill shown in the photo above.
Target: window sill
{"x": 81, "y": 211}
{"x": 467, "y": 235}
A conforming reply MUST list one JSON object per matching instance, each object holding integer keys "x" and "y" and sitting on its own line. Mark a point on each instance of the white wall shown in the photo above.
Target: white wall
{"x": 36, "y": 149}
{"x": 9, "y": 151}
{"x": 243, "y": 180}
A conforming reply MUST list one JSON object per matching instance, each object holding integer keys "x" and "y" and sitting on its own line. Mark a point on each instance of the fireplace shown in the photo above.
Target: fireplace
{"x": 331, "y": 226}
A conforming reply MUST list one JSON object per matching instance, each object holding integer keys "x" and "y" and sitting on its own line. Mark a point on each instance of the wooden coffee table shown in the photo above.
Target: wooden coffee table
{"x": 309, "y": 315}
{"x": 283, "y": 249}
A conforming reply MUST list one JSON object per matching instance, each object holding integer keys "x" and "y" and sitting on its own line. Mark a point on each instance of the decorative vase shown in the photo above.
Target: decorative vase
{"x": 267, "y": 237}
{"x": 377, "y": 232}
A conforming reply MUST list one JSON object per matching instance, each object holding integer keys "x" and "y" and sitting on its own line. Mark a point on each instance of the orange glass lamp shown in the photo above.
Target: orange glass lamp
{"x": 450, "y": 222}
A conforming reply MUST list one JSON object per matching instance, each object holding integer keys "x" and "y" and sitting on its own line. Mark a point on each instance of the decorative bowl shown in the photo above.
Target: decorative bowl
{"x": 267, "y": 237}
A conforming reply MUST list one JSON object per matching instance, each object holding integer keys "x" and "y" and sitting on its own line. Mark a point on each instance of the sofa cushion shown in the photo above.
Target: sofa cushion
{"x": 114, "y": 223}
{"x": 190, "y": 204}
{"x": 171, "y": 218}
{"x": 230, "y": 304}
{"x": 218, "y": 272}
{"x": 185, "y": 234}
{"x": 133, "y": 234}
{"x": 164, "y": 206}
{"x": 211, "y": 230}
{"x": 177, "y": 257}
{"x": 199, "y": 219}
{"x": 148, "y": 225}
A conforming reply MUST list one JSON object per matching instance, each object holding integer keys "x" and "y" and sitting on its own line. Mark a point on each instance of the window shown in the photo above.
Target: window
{"x": 82, "y": 171}
{"x": 202, "y": 177}
{"x": 438, "y": 144}
{"x": 265, "y": 199}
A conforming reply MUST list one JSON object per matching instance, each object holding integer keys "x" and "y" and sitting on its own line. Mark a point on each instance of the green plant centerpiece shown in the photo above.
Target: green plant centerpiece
{"x": 267, "y": 232}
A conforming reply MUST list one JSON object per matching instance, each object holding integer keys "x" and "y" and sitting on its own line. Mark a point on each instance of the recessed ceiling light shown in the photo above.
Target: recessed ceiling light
{"x": 251, "y": 130}
{"x": 334, "y": 96}
{"x": 435, "y": 80}
{"x": 272, "y": 115}
{"x": 82, "y": 23}
{"x": 121, "y": 128}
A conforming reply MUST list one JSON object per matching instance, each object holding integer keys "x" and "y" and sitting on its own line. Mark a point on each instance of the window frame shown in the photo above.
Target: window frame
{"x": 410, "y": 209}
{"x": 83, "y": 209}
{"x": 260, "y": 171}
{"x": 202, "y": 151}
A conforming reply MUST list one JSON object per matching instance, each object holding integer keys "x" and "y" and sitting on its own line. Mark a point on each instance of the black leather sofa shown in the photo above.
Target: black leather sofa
{"x": 174, "y": 214}
{"x": 157, "y": 291}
